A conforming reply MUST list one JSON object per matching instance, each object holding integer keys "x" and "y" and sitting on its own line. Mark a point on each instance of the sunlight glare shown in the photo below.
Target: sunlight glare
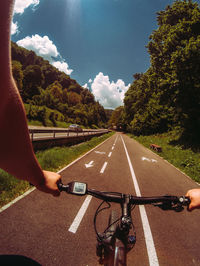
{"x": 73, "y": 8}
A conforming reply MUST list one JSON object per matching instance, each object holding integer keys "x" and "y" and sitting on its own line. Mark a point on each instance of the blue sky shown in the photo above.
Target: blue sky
{"x": 100, "y": 43}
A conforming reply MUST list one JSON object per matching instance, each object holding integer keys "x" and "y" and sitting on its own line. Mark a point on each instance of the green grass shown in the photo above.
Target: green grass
{"x": 186, "y": 160}
{"x": 48, "y": 123}
{"x": 35, "y": 123}
{"x": 52, "y": 159}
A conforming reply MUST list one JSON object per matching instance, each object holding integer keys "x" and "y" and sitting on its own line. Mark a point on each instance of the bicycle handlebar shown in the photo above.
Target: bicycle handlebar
{"x": 165, "y": 202}
{"x": 119, "y": 197}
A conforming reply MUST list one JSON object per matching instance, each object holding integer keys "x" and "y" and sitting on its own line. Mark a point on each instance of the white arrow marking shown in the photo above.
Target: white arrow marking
{"x": 87, "y": 165}
{"x": 149, "y": 160}
{"x": 145, "y": 159}
{"x": 100, "y": 152}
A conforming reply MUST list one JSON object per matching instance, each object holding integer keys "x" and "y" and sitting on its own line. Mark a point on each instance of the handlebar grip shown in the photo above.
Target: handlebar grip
{"x": 62, "y": 187}
{"x": 186, "y": 200}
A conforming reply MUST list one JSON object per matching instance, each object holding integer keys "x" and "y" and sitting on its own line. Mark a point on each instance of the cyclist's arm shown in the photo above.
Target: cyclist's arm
{"x": 16, "y": 152}
{"x": 194, "y": 195}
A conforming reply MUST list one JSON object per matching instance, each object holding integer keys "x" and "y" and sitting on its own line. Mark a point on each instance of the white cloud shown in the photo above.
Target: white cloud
{"x": 14, "y": 28}
{"x": 44, "y": 47}
{"x": 109, "y": 94}
{"x": 63, "y": 66}
{"x": 85, "y": 86}
{"x": 21, "y": 5}
{"x": 41, "y": 45}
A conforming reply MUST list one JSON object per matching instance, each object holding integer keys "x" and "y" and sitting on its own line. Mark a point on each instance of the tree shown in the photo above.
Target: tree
{"x": 42, "y": 85}
{"x": 117, "y": 118}
{"x": 55, "y": 90}
{"x": 64, "y": 80}
{"x": 175, "y": 56}
{"x": 33, "y": 80}
{"x": 52, "y": 118}
{"x": 168, "y": 94}
{"x": 73, "y": 98}
{"x": 50, "y": 73}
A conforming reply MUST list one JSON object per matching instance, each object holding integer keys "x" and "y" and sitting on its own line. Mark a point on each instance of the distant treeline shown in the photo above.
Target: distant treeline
{"x": 51, "y": 96}
{"x": 167, "y": 95}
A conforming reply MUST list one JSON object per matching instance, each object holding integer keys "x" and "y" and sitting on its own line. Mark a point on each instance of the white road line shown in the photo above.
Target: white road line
{"x": 153, "y": 259}
{"x": 114, "y": 143}
{"x": 116, "y": 140}
{"x": 103, "y": 168}
{"x": 109, "y": 154}
{"x": 60, "y": 171}
{"x": 77, "y": 220}
{"x": 15, "y": 200}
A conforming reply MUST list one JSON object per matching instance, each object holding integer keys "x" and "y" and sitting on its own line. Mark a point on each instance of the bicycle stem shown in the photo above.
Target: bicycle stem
{"x": 126, "y": 211}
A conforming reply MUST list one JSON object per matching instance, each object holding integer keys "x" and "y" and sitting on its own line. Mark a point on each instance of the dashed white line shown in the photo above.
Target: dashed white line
{"x": 103, "y": 168}
{"x": 116, "y": 140}
{"x": 77, "y": 220}
{"x": 109, "y": 154}
{"x": 153, "y": 259}
{"x": 113, "y": 147}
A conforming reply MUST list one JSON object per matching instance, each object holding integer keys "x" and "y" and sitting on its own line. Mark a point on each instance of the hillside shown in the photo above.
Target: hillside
{"x": 50, "y": 96}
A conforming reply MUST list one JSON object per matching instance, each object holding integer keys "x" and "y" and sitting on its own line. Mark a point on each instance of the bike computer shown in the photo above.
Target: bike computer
{"x": 77, "y": 188}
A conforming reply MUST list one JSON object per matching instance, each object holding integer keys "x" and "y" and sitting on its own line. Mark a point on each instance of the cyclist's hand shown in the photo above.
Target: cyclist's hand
{"x": 49, "y": 185}
{"x": 194, "y": 195}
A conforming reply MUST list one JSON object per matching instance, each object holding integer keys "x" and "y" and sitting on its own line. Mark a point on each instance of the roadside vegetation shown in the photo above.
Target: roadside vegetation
{"x": 167, "y": 95}
{"x": 186, "y": 158}
{"x": 52, "y": 159}
{"x": 162, "y": 105}
{"x": 52, "y": 97}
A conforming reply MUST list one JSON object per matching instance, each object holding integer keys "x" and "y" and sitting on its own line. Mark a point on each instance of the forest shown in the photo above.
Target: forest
{"x": 167, "y": 95}
{"x": 52, "y": 97}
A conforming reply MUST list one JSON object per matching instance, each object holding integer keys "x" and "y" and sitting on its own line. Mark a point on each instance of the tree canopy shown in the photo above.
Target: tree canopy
{"x": 167, "y": 95}
{"x": 49, "y": 94}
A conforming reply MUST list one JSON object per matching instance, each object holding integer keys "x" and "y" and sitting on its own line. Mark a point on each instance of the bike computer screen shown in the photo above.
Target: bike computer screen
{"x": 79, "y": 188}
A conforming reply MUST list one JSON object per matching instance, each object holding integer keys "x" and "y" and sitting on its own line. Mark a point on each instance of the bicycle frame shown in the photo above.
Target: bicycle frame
{"x": 116, "y": 241}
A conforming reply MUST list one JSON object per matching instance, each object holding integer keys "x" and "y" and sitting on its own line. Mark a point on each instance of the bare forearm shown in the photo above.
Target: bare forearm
{"x": 16, "y": 153}
{"x": 17, "y": 156}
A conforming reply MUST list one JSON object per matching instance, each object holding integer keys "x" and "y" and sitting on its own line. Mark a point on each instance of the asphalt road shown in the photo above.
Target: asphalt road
{"x": 44, "y": 228}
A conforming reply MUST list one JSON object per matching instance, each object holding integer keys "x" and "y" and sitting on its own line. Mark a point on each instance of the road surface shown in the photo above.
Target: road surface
{"x": 47, "y": 229}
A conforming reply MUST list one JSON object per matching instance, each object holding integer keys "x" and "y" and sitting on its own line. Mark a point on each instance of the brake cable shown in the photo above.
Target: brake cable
{"x": 96, "y": 214}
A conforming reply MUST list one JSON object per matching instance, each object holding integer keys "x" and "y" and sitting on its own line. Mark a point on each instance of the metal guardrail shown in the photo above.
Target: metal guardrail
{"x": 67, "y": 131}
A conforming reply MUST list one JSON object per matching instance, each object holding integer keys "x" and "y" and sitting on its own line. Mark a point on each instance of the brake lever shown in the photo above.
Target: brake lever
{"x": 166, "y": 206}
